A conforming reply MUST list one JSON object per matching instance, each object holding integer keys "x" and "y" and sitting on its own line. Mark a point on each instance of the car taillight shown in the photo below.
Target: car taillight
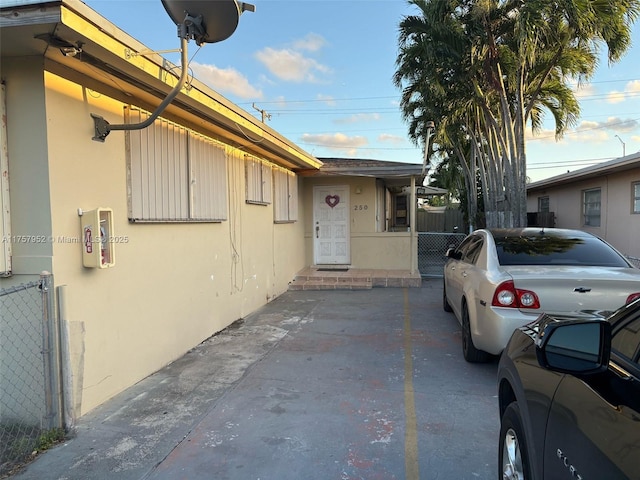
{"x": 632, "y": 297}
{"x": 507, "y": 295}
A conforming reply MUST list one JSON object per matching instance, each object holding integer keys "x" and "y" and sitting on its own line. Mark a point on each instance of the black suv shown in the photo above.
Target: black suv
{"x": 569, "y": 394}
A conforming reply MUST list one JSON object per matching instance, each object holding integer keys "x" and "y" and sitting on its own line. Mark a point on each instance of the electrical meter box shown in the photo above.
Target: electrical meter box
{"x": 97, "y": 238}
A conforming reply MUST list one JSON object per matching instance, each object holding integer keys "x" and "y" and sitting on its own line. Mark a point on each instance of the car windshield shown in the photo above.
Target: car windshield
{"x": 544, "y": 249}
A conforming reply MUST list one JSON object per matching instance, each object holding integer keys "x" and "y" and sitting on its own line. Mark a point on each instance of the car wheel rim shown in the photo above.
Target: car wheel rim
{"x": 512, "y": 468}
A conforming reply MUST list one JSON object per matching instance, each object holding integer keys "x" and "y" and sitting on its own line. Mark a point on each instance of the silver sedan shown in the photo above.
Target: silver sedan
{"x": 497, "y": 280}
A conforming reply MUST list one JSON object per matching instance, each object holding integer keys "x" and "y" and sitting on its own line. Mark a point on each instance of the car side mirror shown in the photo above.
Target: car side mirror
{"x": 453, "y": 253}
{"x": 579, "y": 347}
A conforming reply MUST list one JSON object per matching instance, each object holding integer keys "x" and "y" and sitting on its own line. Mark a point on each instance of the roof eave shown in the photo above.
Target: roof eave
{"x": 145, "y": 75}
{"x": 617, "y": 165}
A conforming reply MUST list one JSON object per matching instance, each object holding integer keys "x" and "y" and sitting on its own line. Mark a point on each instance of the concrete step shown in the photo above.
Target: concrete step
{"x": 312, "y": 278}
{"x": 329, "y": 283}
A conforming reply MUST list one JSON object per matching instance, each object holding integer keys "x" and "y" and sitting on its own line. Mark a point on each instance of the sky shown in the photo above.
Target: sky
{"x": 320, "y": 73}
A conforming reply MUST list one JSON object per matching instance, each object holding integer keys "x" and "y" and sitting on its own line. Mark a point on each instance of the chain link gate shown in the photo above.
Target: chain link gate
{"x": 432, "y": 248}
{"x": 30, "y": 393}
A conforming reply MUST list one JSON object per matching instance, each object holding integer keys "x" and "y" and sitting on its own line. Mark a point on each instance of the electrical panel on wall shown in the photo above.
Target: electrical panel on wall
{"x": 97, "y": 238}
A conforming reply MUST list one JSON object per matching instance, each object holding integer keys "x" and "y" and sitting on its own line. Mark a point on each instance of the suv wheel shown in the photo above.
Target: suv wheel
{"x": 513, "y": 454}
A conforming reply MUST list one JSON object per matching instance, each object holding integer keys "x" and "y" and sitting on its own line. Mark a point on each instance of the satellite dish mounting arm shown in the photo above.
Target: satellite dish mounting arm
{"x": 214, "y": 22}
{"x": 103, "y": 127}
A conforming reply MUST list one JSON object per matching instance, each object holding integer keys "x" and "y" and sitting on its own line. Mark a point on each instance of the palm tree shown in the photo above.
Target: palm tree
{"x": 484, "y": 70}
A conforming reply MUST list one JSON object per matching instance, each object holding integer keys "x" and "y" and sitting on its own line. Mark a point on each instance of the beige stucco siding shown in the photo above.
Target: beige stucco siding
{"x": 173, "y": 285}
{"x": 622, "y": 227}
{"x": 30, "y": 179}
{"x": 369, "y": 248}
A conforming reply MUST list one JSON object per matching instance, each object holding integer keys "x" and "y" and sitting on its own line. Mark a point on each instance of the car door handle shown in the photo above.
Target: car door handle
{"x": 621, "y": 372}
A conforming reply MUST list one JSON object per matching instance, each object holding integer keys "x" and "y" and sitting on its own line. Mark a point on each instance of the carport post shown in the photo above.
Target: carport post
{"x": 413, "y": 227}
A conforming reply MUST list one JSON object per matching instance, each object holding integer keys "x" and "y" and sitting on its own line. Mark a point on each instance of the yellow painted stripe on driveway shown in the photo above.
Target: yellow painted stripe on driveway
{"x": 412, "y": 472}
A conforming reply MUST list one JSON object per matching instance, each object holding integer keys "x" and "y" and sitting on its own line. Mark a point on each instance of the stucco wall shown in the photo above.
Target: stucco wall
{"x": 369, "y": 248}
{"x": 29, "y": 180}
{"x": 618, "y": 225}
{"x": 173, "y": 285}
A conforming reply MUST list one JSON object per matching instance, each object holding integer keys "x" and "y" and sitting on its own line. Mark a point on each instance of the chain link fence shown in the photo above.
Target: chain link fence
{"x": 634, "y": 261}
{"x": 432, "y": 248}
{"x": 30, "y": 395}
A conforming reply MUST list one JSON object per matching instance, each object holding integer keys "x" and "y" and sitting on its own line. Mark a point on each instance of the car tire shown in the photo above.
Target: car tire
{"x": 470, "y": 352}
{"x": 513, "y": 455}
{"x": 445, "y": 303}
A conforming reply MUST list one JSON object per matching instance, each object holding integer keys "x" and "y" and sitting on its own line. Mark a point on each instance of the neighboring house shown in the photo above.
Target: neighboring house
{"x": 603, "y": 199}
{"x": 207, "y": 214}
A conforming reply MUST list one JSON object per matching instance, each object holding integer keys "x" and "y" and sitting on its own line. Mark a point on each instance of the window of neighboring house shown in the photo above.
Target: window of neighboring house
{"x": 175, "y": 174}
{"x": 285, "y": 201}
{"x": 591, "y": 207}
{"x": 636, "y": 197}
{"x": 543, "y": 204}
{"x": 258, "y": 179}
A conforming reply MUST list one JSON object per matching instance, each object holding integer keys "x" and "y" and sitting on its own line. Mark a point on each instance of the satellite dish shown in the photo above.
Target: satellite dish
{"x": 207, "y": 21}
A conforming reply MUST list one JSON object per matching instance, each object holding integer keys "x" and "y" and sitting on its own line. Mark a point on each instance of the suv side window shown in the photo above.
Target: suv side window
{"x": 626, "y": 341}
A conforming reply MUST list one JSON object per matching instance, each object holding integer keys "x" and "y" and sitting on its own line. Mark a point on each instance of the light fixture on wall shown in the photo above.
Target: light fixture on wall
{"x": 67, "y": 49}
{"x": 70, "y": 51}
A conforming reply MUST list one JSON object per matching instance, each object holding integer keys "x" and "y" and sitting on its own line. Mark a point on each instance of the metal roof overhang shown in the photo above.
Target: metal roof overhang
{"x": 106, "y": 65}
{"x": 614, "y": 166}
{"x": 394, "y": 174}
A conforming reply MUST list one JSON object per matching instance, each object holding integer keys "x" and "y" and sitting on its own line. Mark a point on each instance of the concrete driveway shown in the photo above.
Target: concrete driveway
{"x": 345, "y": 385}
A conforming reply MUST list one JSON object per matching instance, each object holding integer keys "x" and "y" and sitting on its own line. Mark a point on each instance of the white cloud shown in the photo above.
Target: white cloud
{"x": 291, "y": 65}
{"x": 328, "y": 99}
{"x": 335, "y": 141}
{"x": 615, "y": 97}
{"x": 616, "y": 124}
{"x": 388, "y": 138}
{"x": 544, "y": 135}
{"x": 358, "y": 117}
{"x": 225, "y": 80}
{"x": 633, "y": 87}
{"x": 599, "y": 132}
{"x": 588, "y": 132}
{"x": 584, "y": 91}
{"x": 312, "y": 42}
{"x": 281, "y": 101}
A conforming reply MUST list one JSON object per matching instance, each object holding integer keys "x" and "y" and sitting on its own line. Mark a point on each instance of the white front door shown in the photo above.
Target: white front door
{"x": 331, "y": 233}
